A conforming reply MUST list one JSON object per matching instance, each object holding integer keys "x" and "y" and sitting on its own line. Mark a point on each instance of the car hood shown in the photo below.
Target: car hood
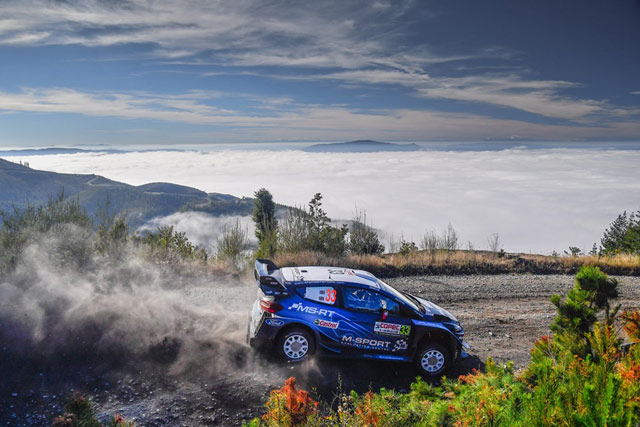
{"x": 433, "y": 309}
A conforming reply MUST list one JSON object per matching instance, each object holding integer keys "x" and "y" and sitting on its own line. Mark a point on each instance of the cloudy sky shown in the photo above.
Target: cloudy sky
{"x": 198, "y": 71}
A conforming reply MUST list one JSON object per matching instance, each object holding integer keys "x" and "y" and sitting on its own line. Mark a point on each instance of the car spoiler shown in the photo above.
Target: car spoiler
{"x": 269, "y": 277}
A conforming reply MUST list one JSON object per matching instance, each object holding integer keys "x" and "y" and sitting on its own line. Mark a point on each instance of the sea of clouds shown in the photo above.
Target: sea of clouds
{"x": 537, "y": 200}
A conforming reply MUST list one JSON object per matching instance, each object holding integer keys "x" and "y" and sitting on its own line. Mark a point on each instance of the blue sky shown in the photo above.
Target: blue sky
{"x": 195, "y": 71}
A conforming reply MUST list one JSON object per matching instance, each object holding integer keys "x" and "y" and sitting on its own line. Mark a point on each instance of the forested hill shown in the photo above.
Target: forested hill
{"x": 20, "y": 185}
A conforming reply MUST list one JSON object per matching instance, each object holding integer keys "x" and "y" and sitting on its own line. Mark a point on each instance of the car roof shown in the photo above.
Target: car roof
{"x": 336, "y": 275}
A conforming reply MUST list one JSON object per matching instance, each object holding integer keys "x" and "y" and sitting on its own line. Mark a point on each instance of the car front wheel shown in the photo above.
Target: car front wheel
{"x": 296, "y": 345}
{"x": 433, "y": 359}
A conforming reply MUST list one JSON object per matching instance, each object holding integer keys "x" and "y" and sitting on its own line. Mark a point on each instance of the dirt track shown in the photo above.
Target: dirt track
{"x": 502, "y": 316}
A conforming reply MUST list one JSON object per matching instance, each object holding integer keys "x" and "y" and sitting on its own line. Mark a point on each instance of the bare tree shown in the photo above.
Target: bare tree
{"x": 494, "y": 243}
{"x": 447, "y": 240}
{"x": 450, "y": 239}
{"x": 394, "y": 245}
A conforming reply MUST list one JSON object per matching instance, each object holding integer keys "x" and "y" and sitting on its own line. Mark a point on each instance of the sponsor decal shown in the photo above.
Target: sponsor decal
{"x": 274, "y": 322}
{"x": 391, "y": 329}
{"x": 368, "y": 343}
{"x": 326, "y": 323}
{"x": 400, "y": 345}
{"x": 311, "y": 309}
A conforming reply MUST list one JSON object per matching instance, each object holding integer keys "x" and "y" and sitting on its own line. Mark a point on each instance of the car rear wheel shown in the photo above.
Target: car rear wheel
{"x": 296, "y": 345}
{"x": 433, "y": 359}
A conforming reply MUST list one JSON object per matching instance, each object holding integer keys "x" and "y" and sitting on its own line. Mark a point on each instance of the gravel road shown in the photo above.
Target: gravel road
{"x": 503, "y": 315}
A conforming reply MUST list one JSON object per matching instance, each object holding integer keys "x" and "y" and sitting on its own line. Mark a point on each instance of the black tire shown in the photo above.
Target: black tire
{"x": 433, "y": 359}
{"x": 296, "y": 345}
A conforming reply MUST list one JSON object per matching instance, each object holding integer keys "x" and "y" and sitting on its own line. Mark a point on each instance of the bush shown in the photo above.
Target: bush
{"x": 289, "y": 406}
{"x": 292, "y": 232}
{"x": 232, "y": 244}
{"x": 112, "y": 234}
{"x": 577, "y": 313}
{"x": 63, "y": 226}
{"x": 363, "y": 239}
{"x": 79, "y": 412}
{"x": 310, "y": 230}
{"x": 168, "y": 245}
{"x": 407, "y": 247}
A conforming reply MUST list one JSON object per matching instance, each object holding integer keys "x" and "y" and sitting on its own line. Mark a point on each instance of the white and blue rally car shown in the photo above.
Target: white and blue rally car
{"x": 351, "y": 314}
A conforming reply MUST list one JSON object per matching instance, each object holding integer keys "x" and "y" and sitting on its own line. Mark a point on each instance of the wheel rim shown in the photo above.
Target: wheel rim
{"x": 432, "y": 360}
{"x": 295, "y": 347}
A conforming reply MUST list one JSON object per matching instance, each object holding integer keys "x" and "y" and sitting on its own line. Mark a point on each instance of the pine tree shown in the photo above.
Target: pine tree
{"x": 623, "y": 235}
{"x": 266, "y": 224}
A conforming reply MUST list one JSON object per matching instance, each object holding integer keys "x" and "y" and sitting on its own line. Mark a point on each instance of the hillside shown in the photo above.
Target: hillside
{"x": 20, "y": 185}
{"x": 361, "y": 146}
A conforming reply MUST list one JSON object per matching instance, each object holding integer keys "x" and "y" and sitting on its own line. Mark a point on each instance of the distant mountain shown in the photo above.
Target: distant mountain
{"x": 39, "y": 151}
{"x": 62, "y": 150}
{"x": 361, "y": 146}
{"x": 20, "y": 185}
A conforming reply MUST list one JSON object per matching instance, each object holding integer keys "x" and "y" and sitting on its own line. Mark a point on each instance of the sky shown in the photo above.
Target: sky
{"x": 536, "y": 200}
{"x": 174, "y": 72}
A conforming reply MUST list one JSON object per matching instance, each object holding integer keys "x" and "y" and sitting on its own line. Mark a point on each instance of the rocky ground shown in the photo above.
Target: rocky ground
{"x": 502, "y": 315}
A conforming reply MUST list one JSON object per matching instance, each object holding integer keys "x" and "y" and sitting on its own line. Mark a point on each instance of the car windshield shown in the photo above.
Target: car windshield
{"x": 402, "y": 297}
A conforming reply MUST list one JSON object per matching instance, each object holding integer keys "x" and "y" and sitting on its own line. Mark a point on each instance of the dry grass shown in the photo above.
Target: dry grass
{"x": 465, "y": 262}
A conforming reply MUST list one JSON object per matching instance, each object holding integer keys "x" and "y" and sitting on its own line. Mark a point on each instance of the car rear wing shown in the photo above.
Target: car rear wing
{"x": 269, "y": 277}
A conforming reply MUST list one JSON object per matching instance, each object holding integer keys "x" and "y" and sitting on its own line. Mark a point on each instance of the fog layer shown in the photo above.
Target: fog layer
{"x": 538, "y": 200}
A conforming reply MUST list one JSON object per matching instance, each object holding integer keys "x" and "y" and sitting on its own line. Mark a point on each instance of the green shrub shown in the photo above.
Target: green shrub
{"x": 168, "y": 245}
{"x": 62, "y": 226}
{"x": 310, "y": 230}
{"x": 363, "y": 239}
{"x": 578, "y": 312}
{"x": 232, "y": 244}
{"x": 406, "y": 247}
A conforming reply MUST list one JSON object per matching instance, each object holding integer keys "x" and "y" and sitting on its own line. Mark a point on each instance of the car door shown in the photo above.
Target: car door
{"x": 376, "y": 321}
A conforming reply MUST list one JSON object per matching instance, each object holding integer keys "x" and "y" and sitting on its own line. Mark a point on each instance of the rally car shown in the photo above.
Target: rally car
{"x": 352, "y": 314}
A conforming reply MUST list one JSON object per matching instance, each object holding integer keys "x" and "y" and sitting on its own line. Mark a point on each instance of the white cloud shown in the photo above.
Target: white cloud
{"x": 538, "y": 200}
{"x": 297, "y": 35}
{"x": 282, "y": 119}
{"x": 315, "y": 35}
{"x": 509, "y": 90}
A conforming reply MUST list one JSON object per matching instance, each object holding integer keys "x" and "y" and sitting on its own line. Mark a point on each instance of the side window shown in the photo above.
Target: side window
{"x": 367, "y": 300}
{"x": 323, "y": 294}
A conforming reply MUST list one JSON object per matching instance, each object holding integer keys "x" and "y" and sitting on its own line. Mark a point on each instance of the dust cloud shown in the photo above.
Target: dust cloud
{"x": 63, "y": 306}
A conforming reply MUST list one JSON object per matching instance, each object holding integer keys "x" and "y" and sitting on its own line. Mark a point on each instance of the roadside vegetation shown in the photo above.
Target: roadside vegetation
{"x": 583, "y": 375}
{"x": 79, "y": 411}
{"x": 304, "y": 236}
{"x": 307, "y": 236}
{"x": 63, "y": 231}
